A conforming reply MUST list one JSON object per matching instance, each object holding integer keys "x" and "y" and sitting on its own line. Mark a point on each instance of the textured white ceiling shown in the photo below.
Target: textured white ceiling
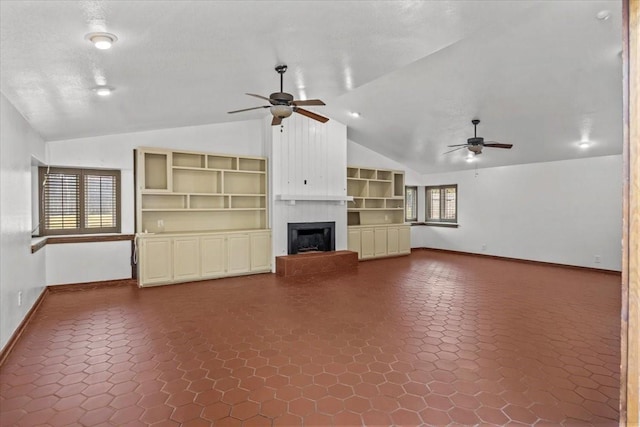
{"x": 540, "y": 74}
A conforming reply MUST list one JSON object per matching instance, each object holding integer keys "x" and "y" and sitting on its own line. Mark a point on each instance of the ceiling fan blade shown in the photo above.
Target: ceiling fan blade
{"x": 248, "y": 109}
{"x": 276, "y": 121}
{"x": 258, "y": 96}
{"x": 311, "y": 115}
{"x": 497, "y": 145}
{"x": 308, "y": 102}
{"x": 457, "y": 145}
{"x": 455, "y": 149}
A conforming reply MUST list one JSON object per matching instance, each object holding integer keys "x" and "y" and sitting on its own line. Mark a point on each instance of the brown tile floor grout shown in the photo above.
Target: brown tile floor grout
{"x": 432, "y": 338}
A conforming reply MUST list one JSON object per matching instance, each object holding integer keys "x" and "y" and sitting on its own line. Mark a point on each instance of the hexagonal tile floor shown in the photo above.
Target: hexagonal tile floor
{"x": 432, "y": 338}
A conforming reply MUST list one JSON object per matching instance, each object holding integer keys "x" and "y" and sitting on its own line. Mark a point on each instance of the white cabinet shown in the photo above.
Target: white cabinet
{"x": 353, "y": 241}
{"x": 367, "y": 242}
{"x": 260, "y": 251}
{"x": 238, "y": 253}
{"x": 179, "y": 258}
{"x": 380, "y": 241}
{"x": 213, "y": 256}
{"x": 392, "y": 241}
{"x": 186, "y": 258}
{"x": 200, "y": 215}
{"x": 404, "y": 240}
{"x": 156, "y": 260}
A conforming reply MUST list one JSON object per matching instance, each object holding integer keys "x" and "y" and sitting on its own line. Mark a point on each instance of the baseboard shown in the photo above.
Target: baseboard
{"x": 91, "y": 285}
{"x": 6, "y": 350}
{"x": 525, "y": 261}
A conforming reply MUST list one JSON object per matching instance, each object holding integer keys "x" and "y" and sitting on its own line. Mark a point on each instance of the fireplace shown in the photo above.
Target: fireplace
{"x": 311, "y": 237}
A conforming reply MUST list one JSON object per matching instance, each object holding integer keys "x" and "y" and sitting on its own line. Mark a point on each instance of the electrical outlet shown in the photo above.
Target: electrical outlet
{"x": 19, "y": 298}
{"x": 597, "y": 259}
{"x": 484, "y": 247}
{"x": 160, "y": 223}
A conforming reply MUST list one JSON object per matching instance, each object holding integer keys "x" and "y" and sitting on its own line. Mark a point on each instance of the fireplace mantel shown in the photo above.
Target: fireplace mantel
{"x": 293, "y": 198}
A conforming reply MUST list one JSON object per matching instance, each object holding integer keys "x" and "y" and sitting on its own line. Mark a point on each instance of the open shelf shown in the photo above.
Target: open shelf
{"x": 155, "y": 171}
{"x": 189, "y": 191}
{"x": 188, "y": 160}
{"x": 196, "y": 181}
{"x": 222, "y": 162}
{"x": 164, "y": 201}
{"x": 378, "y": 196}
{"x": 256, "y": 165}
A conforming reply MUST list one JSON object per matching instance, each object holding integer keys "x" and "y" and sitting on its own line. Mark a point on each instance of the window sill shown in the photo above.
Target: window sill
{"x": 437, "y": 224}
{"x": 38, "y": 243}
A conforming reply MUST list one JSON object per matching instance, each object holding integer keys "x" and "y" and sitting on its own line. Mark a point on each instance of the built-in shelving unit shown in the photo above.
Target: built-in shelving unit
{"x": 375, "y": 216}
{"x": 186, "y": 191}
{"x": 193, "y": 209}
{"x": 378, "y": 196}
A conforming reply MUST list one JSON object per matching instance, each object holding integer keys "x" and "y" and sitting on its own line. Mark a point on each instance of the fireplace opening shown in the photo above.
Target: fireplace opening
{"x": 311, "y": 237}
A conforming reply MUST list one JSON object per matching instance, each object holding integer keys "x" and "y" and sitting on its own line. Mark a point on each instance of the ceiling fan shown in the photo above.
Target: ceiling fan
{"x": 283, "y": 104}
{"x": 476, "y": 143}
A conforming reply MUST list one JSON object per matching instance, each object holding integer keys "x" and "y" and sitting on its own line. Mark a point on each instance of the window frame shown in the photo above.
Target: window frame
{"x": 415, "y": 203}
{"x": 81, "y": 200}
{"x": 440, "y": 221}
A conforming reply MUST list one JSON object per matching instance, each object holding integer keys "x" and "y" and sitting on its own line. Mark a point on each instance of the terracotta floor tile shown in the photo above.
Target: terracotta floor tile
{"x": 431, "y": 338}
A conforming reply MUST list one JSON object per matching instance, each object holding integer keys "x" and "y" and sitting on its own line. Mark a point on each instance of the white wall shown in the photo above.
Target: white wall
{"x": 358, "y": 155}
{"x": 116, "y": 152}
{"x": 564, "y": 212}
{"x": 309, "y": 151}
{"x": 20, "y": 271}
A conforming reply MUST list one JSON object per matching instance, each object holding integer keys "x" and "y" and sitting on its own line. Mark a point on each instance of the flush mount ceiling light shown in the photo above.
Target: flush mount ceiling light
{"x": 603, "y": 15}
{"x": 101, "y": 40}
{"x": 103, "y": 90}
{"x": 584, "y": 144}
{"x": 354, "y": 114}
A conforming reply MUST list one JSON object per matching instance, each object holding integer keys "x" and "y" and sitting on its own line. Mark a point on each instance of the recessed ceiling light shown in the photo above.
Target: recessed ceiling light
{"x": 354, "y": 114}
{"x": 103, "y": 90}
{"x": 603, "y": 15}
{"x": 101, "y": 40}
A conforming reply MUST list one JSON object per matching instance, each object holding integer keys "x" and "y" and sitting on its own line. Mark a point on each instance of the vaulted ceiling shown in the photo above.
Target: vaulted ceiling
{"x": 542, "y": 75}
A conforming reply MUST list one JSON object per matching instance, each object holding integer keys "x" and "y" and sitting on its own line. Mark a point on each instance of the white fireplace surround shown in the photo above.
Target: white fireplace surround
{"x": 307, "y": 177}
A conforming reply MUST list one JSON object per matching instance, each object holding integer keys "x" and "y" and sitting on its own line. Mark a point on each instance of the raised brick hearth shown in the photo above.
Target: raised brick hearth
{"x": 315, "y": 262}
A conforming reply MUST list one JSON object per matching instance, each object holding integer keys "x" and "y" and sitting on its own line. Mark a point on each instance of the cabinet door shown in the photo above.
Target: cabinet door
{"x": 392, "y": 241}
{"x": 261, "y": 252}
{"x": 404, "y": 240}
{"x": 353, "y": 241}
{"x": 380, "y": 241}
{"x": 156, "y": 261}
{"x": 366, "y": 242}
{"x": 213, "y": 256}
{"x": 186, "y": 258}
{"x": 238, "y": 253}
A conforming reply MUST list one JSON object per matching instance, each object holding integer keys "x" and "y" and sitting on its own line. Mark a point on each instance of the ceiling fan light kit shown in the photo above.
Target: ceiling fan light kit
{"x": 283, "y": 104}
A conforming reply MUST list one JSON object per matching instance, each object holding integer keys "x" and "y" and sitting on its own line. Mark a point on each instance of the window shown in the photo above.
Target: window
{"x": 79, "y": 201}
{"x": 442, "y": 204}
{"x": 410, "y": 203}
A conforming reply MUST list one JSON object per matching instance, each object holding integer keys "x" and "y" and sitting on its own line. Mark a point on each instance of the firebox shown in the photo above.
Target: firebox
{"x": 311, "y": 237}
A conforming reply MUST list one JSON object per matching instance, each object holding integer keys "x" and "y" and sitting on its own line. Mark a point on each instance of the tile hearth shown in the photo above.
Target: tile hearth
{"x": 315, "y": 263}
